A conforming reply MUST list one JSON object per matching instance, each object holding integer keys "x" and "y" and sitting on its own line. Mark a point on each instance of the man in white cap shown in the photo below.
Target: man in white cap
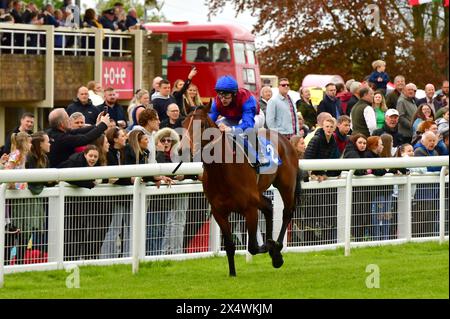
{"x": 390, "y": 127}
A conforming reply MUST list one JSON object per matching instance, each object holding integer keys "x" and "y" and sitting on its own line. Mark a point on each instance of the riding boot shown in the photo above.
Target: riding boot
{"x": 261, "y": 158}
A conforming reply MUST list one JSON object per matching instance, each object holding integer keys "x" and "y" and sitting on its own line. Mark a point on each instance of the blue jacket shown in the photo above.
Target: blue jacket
{"x": 421, "y": 150}
{"x": 374, "y": 79}
{"x": 441, "y": 148}
{"x": 242, "y": 109}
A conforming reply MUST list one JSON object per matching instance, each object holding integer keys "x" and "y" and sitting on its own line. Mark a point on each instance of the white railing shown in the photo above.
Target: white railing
{"x": 31, "y": 39}
{"x": 81, "y": 226}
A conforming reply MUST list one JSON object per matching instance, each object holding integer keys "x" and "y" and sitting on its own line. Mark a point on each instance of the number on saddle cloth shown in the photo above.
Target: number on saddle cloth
{"x": 268, "y": 151}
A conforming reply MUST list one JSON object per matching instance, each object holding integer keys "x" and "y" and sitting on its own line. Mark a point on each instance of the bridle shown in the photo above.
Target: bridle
{"x": 187, "y": 134}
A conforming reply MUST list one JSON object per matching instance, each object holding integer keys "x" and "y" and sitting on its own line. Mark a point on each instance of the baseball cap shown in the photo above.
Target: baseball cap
{"x": 108, "y": 11}
{"x": 391, "y": 112}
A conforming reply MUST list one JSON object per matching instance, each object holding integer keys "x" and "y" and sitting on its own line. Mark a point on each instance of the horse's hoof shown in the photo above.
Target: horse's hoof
{"x": 232, "y": 274}
{"x": 277, "y": 262}
{"x": 275, "y": 252}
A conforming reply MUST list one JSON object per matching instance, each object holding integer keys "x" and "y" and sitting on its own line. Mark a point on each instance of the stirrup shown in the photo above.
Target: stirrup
{"x": 263, "y": 163}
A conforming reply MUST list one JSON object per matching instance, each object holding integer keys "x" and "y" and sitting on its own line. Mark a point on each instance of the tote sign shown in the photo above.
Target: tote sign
{"x": 120, "y": 76}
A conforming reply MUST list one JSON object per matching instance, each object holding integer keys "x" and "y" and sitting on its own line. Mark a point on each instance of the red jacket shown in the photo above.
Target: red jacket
{"x": 344, "y": 97}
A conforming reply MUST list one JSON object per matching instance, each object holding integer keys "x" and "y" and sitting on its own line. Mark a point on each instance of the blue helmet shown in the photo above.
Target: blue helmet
{"x": 226, "y": 84}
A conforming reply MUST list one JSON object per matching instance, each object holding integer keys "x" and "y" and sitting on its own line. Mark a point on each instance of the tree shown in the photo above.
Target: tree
{"x": 40, "y": 3}
{"x": 152, "y": 6}
{"x": 344, "y": 37}
{"x": 127, "y": 4}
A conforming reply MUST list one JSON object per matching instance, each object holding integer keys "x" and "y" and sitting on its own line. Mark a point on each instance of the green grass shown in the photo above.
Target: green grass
{"x": 406, "y": 271}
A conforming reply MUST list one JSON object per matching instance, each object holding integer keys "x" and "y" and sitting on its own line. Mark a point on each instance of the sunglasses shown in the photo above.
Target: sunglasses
{"x": 166, "y": 140}
{"x": 284, "y": 85}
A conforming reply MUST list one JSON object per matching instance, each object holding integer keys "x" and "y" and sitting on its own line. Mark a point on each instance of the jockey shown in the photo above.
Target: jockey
{"x": 237, "y": 109}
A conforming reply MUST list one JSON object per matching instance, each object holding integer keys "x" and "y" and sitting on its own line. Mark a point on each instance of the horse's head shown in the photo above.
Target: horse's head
{"x": 195, "y": 123}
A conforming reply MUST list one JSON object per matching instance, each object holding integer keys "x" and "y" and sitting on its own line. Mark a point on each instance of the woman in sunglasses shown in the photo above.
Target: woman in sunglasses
{"x": 167, "y": 219}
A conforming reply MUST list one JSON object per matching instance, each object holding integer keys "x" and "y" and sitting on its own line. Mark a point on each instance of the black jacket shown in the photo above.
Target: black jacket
{"x": 131, "y": 22}
{"x": 160, "y": 104}
{"x": 130, "y": 159}
{"x": 378, "y": 171}
{"x": 18, "y": 18}
{"x": 166, "y": 123}
{"x": 396, "y": 136}
{"x": 37, "y": 187}
{"x": 320, "y": 148}
{"x": 64, "y": 143}
{"x": 114, "y": 158}
{"x": 353, "y": 100}
{"x": 78, "y": 160}
{"x": 352, "y": 152}
{"x": 89, "y": 111}
{"x": 178, "y": 95}
{"x": 330, "y": 106}
{"x": 308, "y": 112}
{"x": 115, "y": 112}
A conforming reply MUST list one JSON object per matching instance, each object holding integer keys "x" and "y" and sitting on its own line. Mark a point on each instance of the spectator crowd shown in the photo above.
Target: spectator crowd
{"x": 355, "y": 119}
{"x": 15, "y": 11}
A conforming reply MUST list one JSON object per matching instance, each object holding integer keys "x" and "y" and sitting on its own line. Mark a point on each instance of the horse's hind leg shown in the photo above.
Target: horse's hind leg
{"x": 267, "y": 209}
{"x": 251, "y": 220}
{"x": 230, "y": 248}
{"x": 288, "y": 211}
{"x": 288, "y": 195}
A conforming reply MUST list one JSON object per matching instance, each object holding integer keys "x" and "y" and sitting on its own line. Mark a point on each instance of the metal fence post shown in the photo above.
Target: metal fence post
{"x": 404, "y": 210}
{"x": 136, "y": 221}
{"x": 142, "y": 222}
{"x": 348, "y": 210}
{"x": 340, "y": 223}
{"x": 56, "y": 227}
{"x": 2, "y": 231}
{"x": 56, "y": 215}
{"x": 408, "y": 208}
{"x": 442, "y": 204}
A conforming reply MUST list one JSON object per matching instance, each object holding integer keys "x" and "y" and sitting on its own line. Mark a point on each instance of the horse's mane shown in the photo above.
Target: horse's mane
{"x": 204, "y": 109}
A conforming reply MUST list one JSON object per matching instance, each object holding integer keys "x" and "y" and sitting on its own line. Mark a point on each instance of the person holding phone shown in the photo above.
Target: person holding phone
{"x": 113, "y": 108}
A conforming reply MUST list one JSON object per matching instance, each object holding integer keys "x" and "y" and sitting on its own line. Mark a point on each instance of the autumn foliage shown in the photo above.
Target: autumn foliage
{"x": 343, "y": 37}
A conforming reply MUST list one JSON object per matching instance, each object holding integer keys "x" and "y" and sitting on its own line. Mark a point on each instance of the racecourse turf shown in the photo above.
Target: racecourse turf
{"x": 413, "y": 270}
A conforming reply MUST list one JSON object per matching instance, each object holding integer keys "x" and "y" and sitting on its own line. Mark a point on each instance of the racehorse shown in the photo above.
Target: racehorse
{"x": 235, "y": 187}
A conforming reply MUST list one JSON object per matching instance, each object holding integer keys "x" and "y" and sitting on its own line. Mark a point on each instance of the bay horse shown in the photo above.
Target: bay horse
{"x": 235, "y": 186}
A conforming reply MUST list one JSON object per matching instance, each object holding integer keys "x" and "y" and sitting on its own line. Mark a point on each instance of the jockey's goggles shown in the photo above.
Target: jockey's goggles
{"x": 226, "y": 95}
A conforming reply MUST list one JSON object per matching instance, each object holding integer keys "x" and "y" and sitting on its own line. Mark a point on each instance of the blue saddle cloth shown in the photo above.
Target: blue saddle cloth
{"x": 269, "y": 152}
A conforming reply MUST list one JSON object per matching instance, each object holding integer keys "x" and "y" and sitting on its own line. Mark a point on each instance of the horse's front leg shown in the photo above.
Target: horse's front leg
{"x": 275, "y": 247}
{"x": 224, "y": 224}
